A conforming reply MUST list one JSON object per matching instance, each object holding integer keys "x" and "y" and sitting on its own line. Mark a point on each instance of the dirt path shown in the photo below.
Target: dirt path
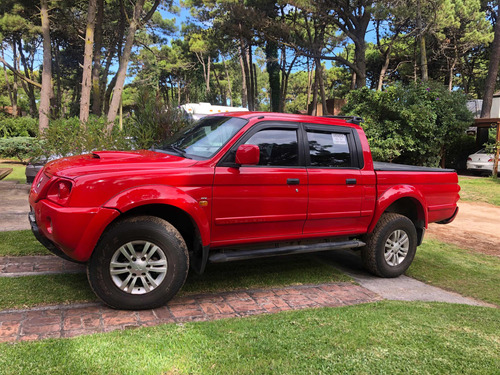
{"x": 476, "y": 227}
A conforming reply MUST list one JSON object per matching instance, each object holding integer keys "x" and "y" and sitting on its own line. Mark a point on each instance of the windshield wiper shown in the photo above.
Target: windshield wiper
{"x": 173, "y": 149}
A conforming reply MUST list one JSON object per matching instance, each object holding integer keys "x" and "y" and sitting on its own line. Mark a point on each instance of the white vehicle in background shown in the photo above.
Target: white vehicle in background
{"x": 199, "y": 110}
{"x": 480, "y": 162}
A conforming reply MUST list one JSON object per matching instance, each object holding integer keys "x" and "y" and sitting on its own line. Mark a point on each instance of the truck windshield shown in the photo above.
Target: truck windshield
{"x": 205, "y": 138}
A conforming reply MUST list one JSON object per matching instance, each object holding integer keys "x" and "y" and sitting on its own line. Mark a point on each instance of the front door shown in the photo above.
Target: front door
{"x": 263, "y": 202}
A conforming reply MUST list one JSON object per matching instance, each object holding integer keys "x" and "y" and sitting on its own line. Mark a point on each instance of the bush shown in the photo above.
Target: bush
{"x": 412, "y": 124}
{"x": 21, "y": 148}
{"x": 458, "y": 151}
{"x": 68, "y": 137}
{"x": 18, "y": 127}
{"x": 153, "y": 121}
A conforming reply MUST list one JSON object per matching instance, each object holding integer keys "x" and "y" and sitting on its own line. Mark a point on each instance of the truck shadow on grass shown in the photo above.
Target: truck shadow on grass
{"x": 29, "y": 291}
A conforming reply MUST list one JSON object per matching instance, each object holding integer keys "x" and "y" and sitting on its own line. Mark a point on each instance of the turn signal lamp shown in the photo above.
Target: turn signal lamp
{"x": 59, "y": 192}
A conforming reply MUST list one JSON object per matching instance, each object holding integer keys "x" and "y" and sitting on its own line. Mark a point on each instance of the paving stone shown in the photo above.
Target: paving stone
{"x": 70, "y": 321}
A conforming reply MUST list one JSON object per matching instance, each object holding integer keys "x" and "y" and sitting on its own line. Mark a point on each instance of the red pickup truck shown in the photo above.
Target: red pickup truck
{"x": 233, "y": 187}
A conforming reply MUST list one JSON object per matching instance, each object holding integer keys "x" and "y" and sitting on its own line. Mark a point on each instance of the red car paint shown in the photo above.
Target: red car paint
{"x": 233, "y": 205}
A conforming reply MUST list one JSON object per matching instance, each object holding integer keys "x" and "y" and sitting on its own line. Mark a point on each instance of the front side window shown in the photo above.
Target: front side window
{"x": 328, "y": 149}
{"x": 205, "y": 138}
{"x": 278, "y": 147}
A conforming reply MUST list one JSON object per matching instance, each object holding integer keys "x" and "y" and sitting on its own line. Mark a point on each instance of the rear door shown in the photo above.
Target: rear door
{"x": 335, "y": 180}
{"x": 266, "y": 201}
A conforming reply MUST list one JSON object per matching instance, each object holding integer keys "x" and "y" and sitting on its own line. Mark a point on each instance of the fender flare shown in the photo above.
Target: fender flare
{"x": 163, "y": 194}
{"x": 395, "y": 193}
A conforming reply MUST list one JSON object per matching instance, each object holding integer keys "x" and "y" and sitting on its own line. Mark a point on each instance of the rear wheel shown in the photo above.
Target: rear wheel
{"x": 139, "y": 263}
{"x": 391, "y": 247}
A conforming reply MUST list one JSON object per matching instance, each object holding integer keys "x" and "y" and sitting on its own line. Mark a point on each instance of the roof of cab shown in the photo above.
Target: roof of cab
{"x": 293, "y": 117}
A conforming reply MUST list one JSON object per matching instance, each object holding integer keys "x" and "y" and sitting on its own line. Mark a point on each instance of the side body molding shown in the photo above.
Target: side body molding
{"x": 167, "y": 195}
{"x": 395, "y": 193}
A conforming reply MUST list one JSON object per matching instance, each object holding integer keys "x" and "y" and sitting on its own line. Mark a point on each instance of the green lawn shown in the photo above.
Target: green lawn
{"x": 20, "y": 242}
{"x": 468, "y": 273}
{"x": 480, "y": 189}
{"x": 28, "y": 291}
{"x": 436, "y": 263}
{"x": 378, "y": 338}
{"x": 18, "y": 173}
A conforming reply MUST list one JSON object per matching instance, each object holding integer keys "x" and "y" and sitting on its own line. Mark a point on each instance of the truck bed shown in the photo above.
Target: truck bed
{"x": 390, "y": 167}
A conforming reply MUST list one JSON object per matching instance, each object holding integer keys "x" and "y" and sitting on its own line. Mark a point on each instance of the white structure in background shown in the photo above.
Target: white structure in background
{"x": 475, "y": 107}
{"x": 199, "y": 110}
{"x": 495, "y": 105}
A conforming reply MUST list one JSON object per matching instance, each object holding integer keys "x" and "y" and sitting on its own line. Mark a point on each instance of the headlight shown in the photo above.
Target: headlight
{"x": 60, "y": 191}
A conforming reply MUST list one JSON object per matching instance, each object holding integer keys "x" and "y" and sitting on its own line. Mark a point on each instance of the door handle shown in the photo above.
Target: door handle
{"x": 350, "y": 181}
{"x": 293, "y": 181}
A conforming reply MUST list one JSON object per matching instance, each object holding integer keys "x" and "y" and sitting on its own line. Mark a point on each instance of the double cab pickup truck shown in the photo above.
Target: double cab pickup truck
{"x": 233, "y": 187}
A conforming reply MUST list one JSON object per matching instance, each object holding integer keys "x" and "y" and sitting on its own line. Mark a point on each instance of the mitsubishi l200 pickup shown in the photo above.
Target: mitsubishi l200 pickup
{"x": 232, "y": 187}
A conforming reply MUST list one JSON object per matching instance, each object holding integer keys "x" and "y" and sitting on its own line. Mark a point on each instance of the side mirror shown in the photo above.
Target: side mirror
{"x": 247, "y": 155}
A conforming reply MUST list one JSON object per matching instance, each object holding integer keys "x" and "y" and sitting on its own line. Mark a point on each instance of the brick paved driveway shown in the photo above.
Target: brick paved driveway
{"x": 74, "y": 320}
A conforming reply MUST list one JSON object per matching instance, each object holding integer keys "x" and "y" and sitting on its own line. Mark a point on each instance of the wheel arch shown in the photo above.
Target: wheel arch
{"x": 180, "y": 220}
{"x": 405, "y": 200}
{"x": 173, "y": 205}
{"x": 165, "y": 202}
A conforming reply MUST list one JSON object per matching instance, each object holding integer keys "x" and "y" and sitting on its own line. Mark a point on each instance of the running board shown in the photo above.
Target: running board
{"x": 287, "y": 250}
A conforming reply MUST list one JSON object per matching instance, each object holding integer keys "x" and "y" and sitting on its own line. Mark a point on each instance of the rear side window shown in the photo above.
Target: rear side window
{"x": 278, "y": 147}
{"x": 329, "y": 149}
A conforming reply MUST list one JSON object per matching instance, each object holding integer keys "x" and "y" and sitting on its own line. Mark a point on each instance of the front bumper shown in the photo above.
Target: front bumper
{"x": 74, "y": 231}
{"x": 44, "y": 240}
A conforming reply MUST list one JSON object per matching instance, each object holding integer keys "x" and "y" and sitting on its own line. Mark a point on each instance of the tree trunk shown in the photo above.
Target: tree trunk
{"x": 229, "y": 91}
{"x": 9, "y": 89}
{"x": 46, "y": 92}
{"x": 273, "y": 70}
{"x": 135, "y": 22}
{"x": 208, "y": 74}
{"x": 491, "y": 78}
{"x": 423, "y": 51}
{"x": 14, "y": 79}
{"x": 384, "y": 68}
{"x": 96, "y": 69}
{"x": 87, "y": 63}
{"x": 360, "y": 62}
{"x": 27, "y": 73}
{"x": 244, "y": 73}
{"x": 58, "y": 96}
{"x": 109, "y": 91}
{"x": 319, "y": 75}
{"x": 314, "y": 106}
{"x": 250, "y": 85}
{"x": 451, "y": 74}
{"x": 309, "y": 85}
{"x": 103, "y": 80}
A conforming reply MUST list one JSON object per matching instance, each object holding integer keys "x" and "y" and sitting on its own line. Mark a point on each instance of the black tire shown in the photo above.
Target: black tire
{"x": 390, "y": 226}
{"x": 154, "y": 284}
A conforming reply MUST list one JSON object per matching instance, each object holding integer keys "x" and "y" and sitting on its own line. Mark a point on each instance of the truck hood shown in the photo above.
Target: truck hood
{"x": 113, "y": 161}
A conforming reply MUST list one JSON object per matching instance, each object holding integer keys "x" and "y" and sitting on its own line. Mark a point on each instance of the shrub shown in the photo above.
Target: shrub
{"x": 68, "y": 137}
{"x": 153, "y": 121}
{"x": 413, "y": 124}
{"x": 18, "y": 127}
{"x": 458, "y": 151}
{"x": 21, "y": 148}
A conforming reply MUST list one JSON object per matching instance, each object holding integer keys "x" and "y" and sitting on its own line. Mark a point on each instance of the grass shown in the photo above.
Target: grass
{"x": 18, "y": 173}
{"x": 480, "y": 189}
{"x": 20, "y": 242}
{"x": 379, "y": 338}
{"x": 29, "y": 291}
{"x": 468, "y": 273}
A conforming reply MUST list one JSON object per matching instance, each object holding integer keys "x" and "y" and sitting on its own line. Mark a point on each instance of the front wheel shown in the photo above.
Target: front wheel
{"x": 139, "y": 263}
{"x": 391, "y": 247}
